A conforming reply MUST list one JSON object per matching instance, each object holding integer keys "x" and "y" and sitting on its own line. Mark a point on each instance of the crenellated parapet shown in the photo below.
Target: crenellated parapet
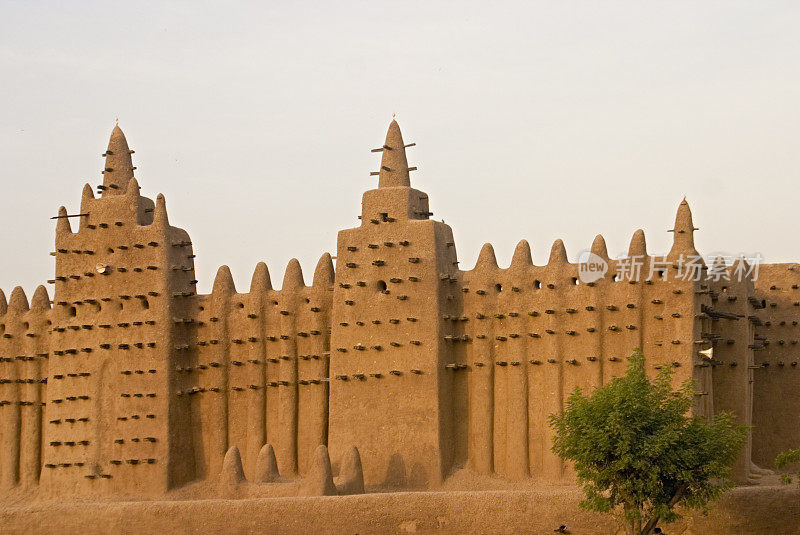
{"x": 129, "y": 383}
{"x": 535, "y": 333}
{"x": 113, "y": 423}
{"x": 24, "y": 353}
{"x": 259, "y": 372}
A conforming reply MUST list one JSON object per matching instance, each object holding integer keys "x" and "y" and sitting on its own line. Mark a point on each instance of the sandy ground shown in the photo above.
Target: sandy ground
{"x": 509, "y": 508}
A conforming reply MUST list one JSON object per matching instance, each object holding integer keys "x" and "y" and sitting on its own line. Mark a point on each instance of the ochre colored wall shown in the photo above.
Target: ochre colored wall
{"x": 776, "y": 419}
{"x": 132, "y": 384}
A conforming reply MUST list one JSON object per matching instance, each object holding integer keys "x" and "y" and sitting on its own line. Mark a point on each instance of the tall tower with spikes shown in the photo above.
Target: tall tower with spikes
{"x": 112, "y": 422}
{"x": 132, "y": 384}
{"x": 389, "y": 393}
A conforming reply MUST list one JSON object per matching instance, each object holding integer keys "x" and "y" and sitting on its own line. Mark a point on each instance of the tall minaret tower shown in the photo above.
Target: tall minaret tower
{"x": 113, "y": 420}
{"x": 390, "y": 391}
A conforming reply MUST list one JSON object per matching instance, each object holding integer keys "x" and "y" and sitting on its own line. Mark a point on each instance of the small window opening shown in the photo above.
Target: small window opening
{"x": 382, "y": 286}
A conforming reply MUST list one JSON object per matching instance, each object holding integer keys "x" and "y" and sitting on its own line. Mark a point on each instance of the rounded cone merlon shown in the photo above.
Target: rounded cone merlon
{"x": 394, "y": 165}
{"x": 132, "y": 189}
{"x": 558, "y": 253}
{"x": 638, "y": 245}
{"x": 3, "y": 303}
{"x": 266, "y": 465}
{"x": 261, "y": 281}
{"x": 87, "y": 193}
{"x": 324, "y": 274}
{"x": 599, "y": 247}
{"x": 351, "y": 473}
{"x": 293, "y": 276}
{"x": 63, "y": 224}
{"x": 223, "y": 282}
{"x": 522, "y": 255}
{"x": 486, "y": 258}
{"x": 232, "y": 471}
{"x": 319, "y": 480}
{"x": 18, "y": 300}
{"x": 160, "y": 217}
{"x": 40, "y": 299}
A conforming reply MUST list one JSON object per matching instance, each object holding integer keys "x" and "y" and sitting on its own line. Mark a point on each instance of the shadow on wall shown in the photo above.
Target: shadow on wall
{"x": 398, "y": 477}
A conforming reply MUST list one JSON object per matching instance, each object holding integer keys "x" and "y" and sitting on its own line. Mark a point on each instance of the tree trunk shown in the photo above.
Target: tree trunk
{"x": 651, "y": 524}
{"x": 632, "y": 527}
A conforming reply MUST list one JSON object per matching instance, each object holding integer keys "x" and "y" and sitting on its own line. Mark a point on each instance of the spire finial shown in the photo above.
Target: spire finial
{"x": 116, "y": 121}
{"x": 119, "y": 168}
{"x": 683, "y": 232}
{"x": 394, "y": 166}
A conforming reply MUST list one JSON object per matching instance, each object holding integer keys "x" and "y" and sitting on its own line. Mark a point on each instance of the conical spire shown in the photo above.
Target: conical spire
{"x": 40, "y": 299}
{"x": 558, "y": 253}
{"x": 261, "y": 281}
{"x": 18, "y": 300}
{"x": 599, "y": 247}
{"x": 683, "y": 238}
{"x": 223, "y": 282}
{"x": 160, "y": 218}
{"x": 323, "y": 275}
{"x": 3, "y": 304}
{"x": 132, "y": 189}
{"x": 293, "y": 277}
{"x": 119, "y": 167}
{"x": 394, "y": 166}
{"x": 486, "y": 258}
{"x": 63, "y": 221}
{"x": 86, "y": 195}
{"x": 638, "y": 246}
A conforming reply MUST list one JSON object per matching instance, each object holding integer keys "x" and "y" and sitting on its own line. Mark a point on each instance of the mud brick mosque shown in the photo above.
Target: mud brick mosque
{"x": 129, "y": 381}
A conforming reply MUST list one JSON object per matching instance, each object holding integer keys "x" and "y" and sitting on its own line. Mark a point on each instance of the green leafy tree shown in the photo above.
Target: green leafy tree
{"x": 639, "y": 453}
{"x": 786, "y": 458}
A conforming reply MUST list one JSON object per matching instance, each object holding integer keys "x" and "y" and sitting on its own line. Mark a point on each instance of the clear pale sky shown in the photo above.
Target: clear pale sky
{"x": 535, "y": 120}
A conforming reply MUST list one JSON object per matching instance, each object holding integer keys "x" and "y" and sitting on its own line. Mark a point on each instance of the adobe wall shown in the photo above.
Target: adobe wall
{"x": 132, "y": 384}
{"x": 24, "y": 354}
{"x": 777, "y": 375}
{"x": 259, "y": 369}
{"x": 112, "y": 423}
{"x": 535, "y": 333}
{"x": 730, "y": 314}
{"x": 390, "y": 387}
